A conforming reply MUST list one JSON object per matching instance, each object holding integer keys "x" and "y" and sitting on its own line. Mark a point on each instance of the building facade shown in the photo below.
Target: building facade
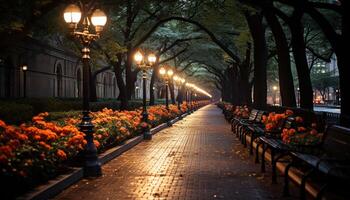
{"x": 51, "y": 72}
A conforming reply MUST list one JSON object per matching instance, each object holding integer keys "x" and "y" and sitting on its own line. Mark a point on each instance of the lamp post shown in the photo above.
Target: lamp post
{"x": 189, "y": 86}
{"x": 274, "y": 94}
{"x": 145, "y": 64}
{"x": 337, "y": 96}
{"x": 298, "y": 90}
{"x": 24, "y": 69}
{"x": 84, "y": 34}
{"x": 179, "y": 81}
{"x": 166, "y": 73}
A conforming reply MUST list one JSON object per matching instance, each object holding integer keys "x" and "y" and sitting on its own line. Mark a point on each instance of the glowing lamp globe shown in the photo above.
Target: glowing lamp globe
{"x": 152, "y": 59}
{"x": 170, "y": 72}
{"x": 72, "y": 14}
{"x": 99, "y": 20}
{"x": 162, "y": 71}
{"x": 138, "y": 57}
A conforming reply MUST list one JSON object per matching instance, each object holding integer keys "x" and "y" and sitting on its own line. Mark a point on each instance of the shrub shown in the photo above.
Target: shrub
{"x": 15, "y": 113}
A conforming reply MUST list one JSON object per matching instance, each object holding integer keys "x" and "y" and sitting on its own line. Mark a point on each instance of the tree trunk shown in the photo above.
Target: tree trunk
{"x": 343, "y": 66}
{"x": 130, "y": 84}
{"x": 244, "y": 83}
{"x": 152, "y": 81}
{"x": 339, "y": 45}
{"x": 172, "y": 92}
{"x": 121, "y": 85}
{"x": 257, "y": 31}
{"x": 298, "y": 45}
{"x": 284, "y": 64}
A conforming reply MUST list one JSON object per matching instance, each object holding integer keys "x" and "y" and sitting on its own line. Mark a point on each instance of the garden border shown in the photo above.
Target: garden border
{"x": 57, "y": 185}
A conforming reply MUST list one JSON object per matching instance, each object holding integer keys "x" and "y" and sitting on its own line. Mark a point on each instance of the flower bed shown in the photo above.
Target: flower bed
{"x": 300, "y": 135}
{"x": 39, "y": 150}
{"x": 273, "y": 120}
{"x": 231, "y": 111}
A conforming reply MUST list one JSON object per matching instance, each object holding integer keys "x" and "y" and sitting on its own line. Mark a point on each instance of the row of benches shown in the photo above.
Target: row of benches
{"x": 329, "y": 160}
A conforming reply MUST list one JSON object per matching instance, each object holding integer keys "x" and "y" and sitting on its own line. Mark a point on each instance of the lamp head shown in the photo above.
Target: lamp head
{"x": 138, "y": 57}
{"x": 24, "y": 67}
{"x": 152, "y": 59}
{"x": 162, "y": 71}
{"x": 170, "y": 72}
{"x": 99, "y": 20}
{"x": 72, "y": 15}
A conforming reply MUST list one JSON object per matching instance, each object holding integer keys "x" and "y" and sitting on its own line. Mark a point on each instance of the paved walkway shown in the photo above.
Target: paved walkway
{"x": 197, "y": 158}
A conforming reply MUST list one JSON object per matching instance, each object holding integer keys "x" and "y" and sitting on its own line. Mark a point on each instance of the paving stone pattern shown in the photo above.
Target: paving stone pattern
{"x": 197, "y": 158}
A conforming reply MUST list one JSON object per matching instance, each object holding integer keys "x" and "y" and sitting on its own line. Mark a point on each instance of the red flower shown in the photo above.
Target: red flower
{"x": 61, "y": 154}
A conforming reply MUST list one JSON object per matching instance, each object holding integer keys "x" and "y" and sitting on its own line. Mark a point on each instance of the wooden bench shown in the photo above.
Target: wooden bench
{"x": 271, "y": 140}
{"x": 237, "y": 121}
{"x": 332, "y": 160}
{"x": 253, "y": 128}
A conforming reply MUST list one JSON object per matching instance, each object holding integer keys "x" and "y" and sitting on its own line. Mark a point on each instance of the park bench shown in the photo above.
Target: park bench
{"x": 237, "y": 122}
{"x": 271, "y": 140}
{"x": 228, "y": 113}
{"x": 330, "y": 159}
{"x": 254, "y": 129}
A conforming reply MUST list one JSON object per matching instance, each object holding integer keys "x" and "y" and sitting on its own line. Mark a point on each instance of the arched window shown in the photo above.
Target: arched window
{"x": 59, "y": 80}
{"x": 79, "y": 83}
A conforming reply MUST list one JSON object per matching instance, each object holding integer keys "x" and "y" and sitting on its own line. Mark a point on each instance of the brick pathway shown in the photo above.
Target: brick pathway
{"x": 197, "y": 158}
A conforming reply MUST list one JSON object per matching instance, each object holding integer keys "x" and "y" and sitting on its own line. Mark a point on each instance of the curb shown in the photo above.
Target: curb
{"x": 57, "y": 185}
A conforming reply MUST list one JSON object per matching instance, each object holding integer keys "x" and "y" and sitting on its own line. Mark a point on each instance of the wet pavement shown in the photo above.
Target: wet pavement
{"x": 196, "y": 158}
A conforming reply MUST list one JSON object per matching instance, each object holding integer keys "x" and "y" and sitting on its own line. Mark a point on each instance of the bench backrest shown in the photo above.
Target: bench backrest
{"x": 253, "y": 114}
{"x": 259, "y": 116}
{"x": 336, "y": 142}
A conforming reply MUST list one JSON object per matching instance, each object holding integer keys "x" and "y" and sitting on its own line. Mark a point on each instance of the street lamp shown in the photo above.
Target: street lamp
{"x": 24, "y": 69}
{"x": 145, "y": 64}
{"x": 275, "y": 94}
{"x": 166, "y": 73}
{"x": 190, "y": 86}
{"x": 337, "y": 96}
{"x": 84, "y": 34}
{"x": 298, "y": 90}
{"x": 179, "y": 82}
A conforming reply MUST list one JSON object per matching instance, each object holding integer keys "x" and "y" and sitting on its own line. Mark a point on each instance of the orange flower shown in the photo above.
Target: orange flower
{"x": 6, "y": 150}
{"x": 46, "y": 146}
{"x": 269, "y": 127}
{"x": 61, "y": 154}
{"x": 301, "y": 129}
{"x": 291, "y": 131}
{"x": 97, "y": 144}
{"x": 22, "y": 137}
{"x": 289, "y": 112}
{"x": 2, "y": 124}
{"x": 299, "y": 119}
{"x": 313, "y": 132}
